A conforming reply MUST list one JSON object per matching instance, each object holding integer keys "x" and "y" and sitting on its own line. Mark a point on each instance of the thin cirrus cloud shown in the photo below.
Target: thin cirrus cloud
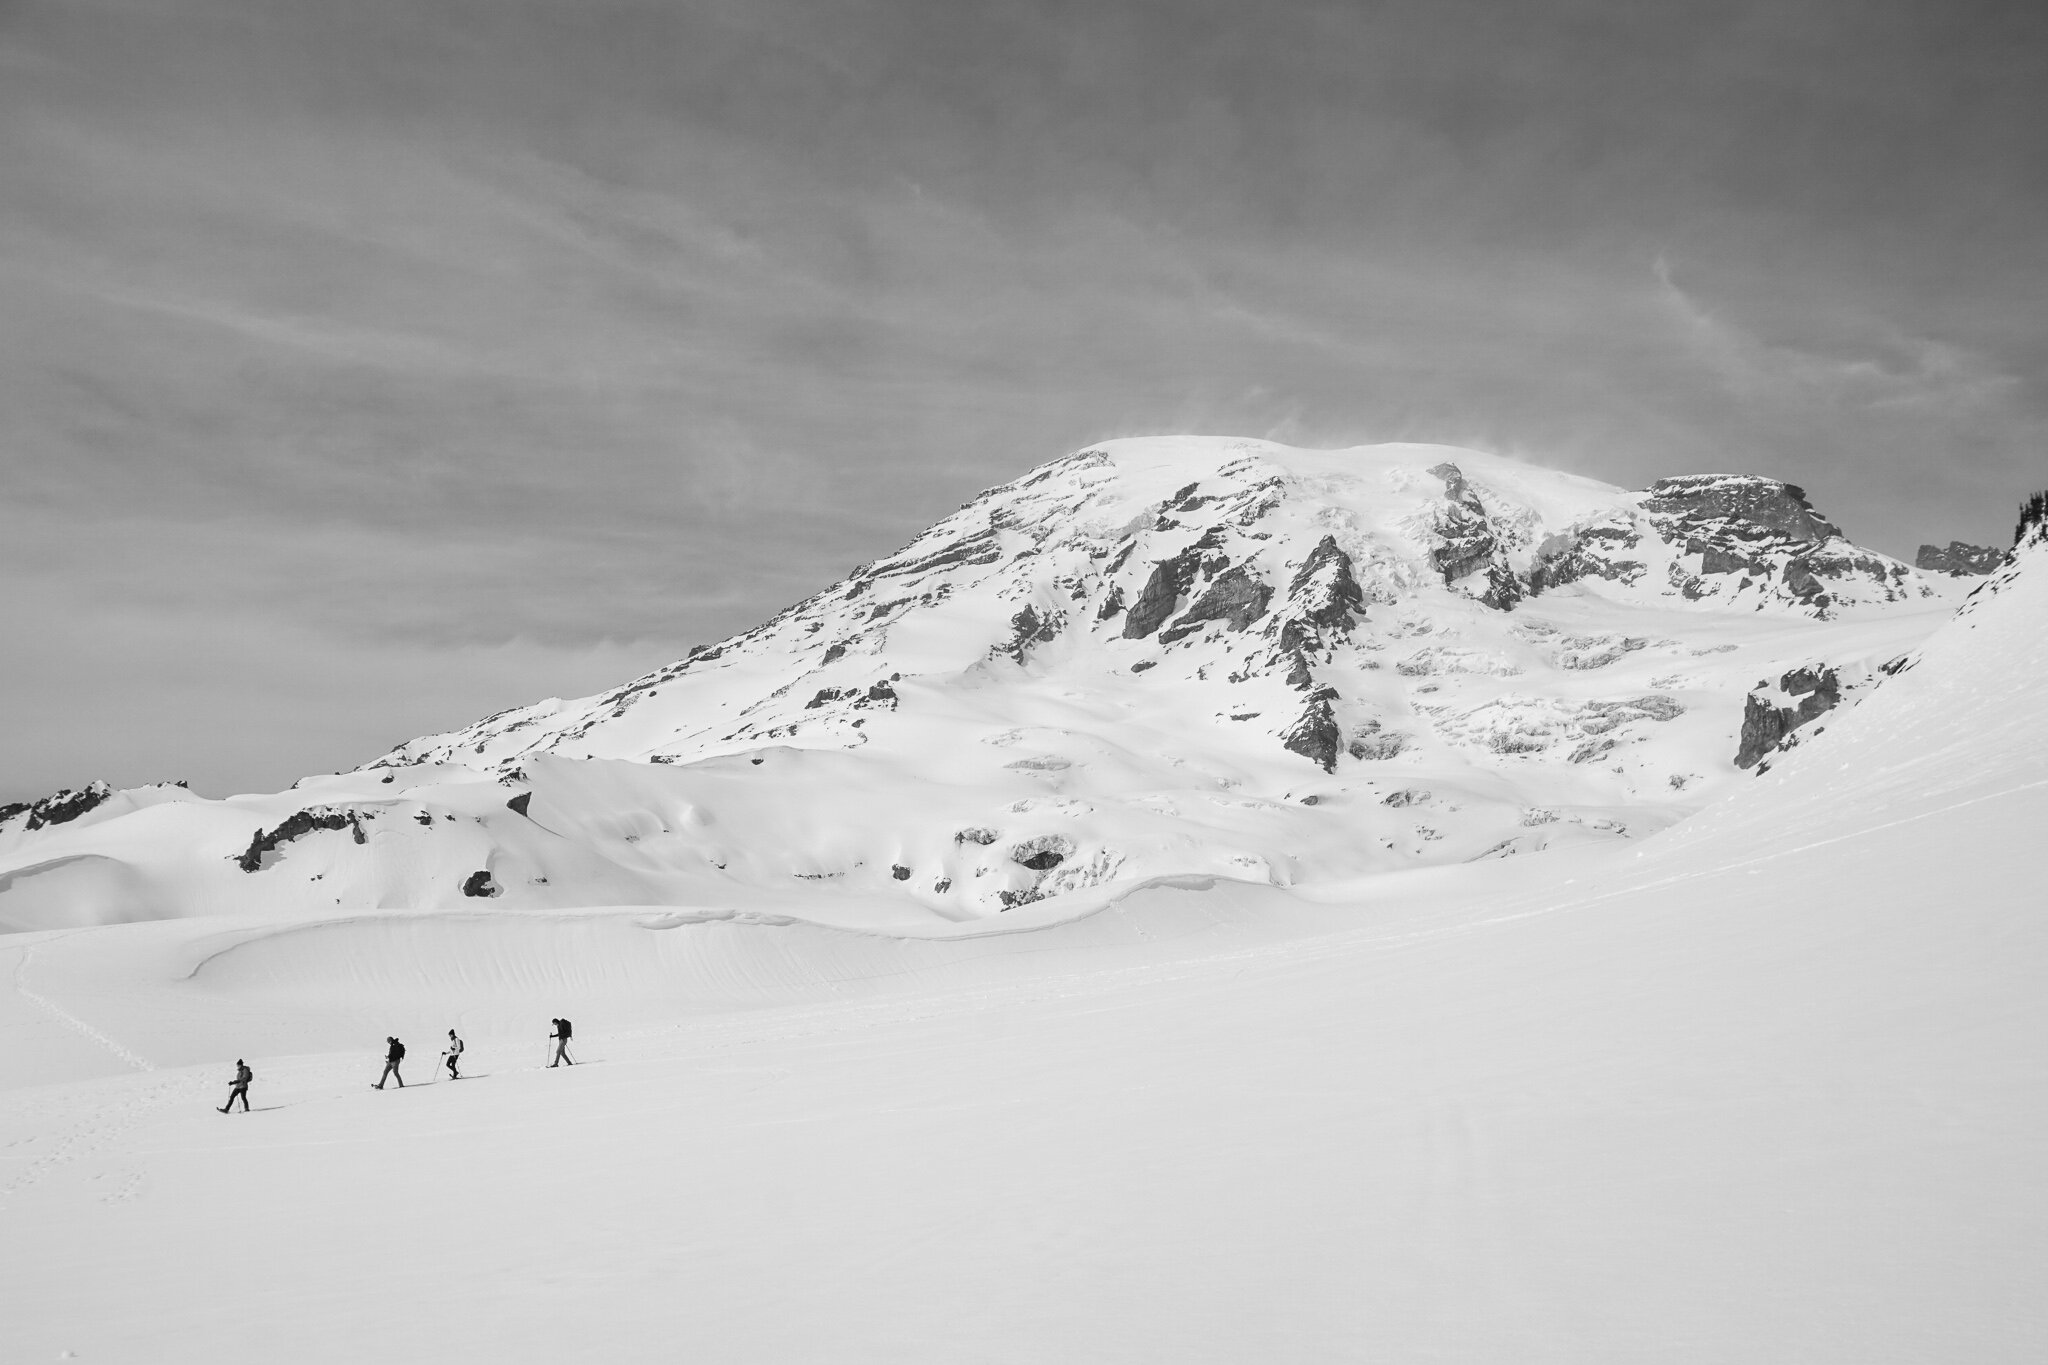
{"x": 502, "y": 344}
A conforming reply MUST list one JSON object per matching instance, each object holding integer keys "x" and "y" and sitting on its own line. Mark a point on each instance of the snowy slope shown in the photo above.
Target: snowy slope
{"x": 1154, "y": 657}
{"x": 1766, "y": 1086}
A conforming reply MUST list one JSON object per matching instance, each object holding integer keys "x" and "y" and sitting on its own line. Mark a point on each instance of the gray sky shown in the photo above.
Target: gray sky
{"x": 368, "y": 366}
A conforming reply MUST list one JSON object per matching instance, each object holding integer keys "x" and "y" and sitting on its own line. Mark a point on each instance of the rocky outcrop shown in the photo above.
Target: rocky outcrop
{"x": 1235, "y": 599}
{"x": 1469, "y": 543}
{"x": 1753, "y": 508}
{"x": 1959, "y": 559}
{"x": 1325, "y": 592}
{"x": 1587, "y": 552}
{"x": 480, "y": 884}
{"x": 1314, "y": 734}
{"x": 1043, "y": 853}
{"x": 880, "y": 695}
{"x": 1032, "y": 627}
{"x": 59, "y": 808}
{"x": 1161, "y": 593}
{"x": 1765, "y": 534}
{"x": 302, "y": 823}
{"x": 1767, "y": 723}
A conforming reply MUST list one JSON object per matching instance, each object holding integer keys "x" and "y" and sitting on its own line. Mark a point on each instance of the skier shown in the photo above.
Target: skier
{"x": 392, "y": 1057}
{"x": 561, "y": 1036}
{"x": 454, "y": 1056}
{"x": 240, "y": 1088}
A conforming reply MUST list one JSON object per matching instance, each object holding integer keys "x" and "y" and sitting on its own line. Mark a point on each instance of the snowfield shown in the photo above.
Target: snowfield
{"x": 1768, "y": 1085}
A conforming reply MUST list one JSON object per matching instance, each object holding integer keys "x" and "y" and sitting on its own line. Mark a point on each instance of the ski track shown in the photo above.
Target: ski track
{"x": 105, "y": 1123}
{"x": 66, "y": 1017}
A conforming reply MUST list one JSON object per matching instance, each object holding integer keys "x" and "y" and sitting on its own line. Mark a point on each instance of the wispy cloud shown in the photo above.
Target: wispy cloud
{"x": 1877, "y": 367}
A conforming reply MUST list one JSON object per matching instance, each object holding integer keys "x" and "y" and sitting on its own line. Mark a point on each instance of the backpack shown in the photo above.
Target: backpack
{"x": 398, "y": 1052}
{"x": 455, "y": 1046}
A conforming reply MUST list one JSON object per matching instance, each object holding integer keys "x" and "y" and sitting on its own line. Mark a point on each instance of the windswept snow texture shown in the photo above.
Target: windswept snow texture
{"x": 1768, "y": 1086}
{"x": 1161, "y": 657}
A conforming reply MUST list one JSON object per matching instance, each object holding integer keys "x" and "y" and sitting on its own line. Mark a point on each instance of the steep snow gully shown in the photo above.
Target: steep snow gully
{"x": 1766, "y": 1085}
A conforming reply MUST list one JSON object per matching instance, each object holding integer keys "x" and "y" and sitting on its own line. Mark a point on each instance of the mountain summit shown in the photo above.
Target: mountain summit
{"x": 1159, "y": 656}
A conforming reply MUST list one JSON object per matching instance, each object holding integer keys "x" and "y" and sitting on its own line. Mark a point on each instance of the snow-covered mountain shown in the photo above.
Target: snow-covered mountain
{"x": 1767, "y": 1086}
{"x": 1161, "y": 656}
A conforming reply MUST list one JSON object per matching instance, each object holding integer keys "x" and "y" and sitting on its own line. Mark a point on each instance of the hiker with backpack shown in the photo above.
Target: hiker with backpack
{"x": 239, "y": 1088}
{"x": 561, "y": 1036}
{"x": 392, "y": 1057}
{"x": 454, "y": 1056}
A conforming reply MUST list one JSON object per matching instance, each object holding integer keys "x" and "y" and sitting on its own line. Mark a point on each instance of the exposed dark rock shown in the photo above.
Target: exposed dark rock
{"x": 11, "y": 809}
{"x": 1760, "y": 507}
{"x": 1299, "y": 674}
{"x": 899, "y": 872}
{"x": 1503, "y": 589}
{"x": 834, "y": 654}
{"x": 1314, "y": 734}
{"x": 1762, "y": 529}
{"x": 982, "y": 547}
{"x": 1407, "y": 796}
{"x": 1595, "y": 552}
{"x": 976, "y": 835}
{"x": 518, "y": 804}
{"x": 1112, "y": 602}
{"x": 1469, "y": 542}
{"x": 942, "y": 886}
{"x": 1800, "y": 582}
{"x": 1325, "y": 591}
{"x": 62, "y": 807}
{"x": 1236, "y": 599}
{"x": 880, "y": 695}
{"x": 480, "y": 884}
{"x": 1028, "y": 628}
{"x": 1043, "y": 853}
{"x": 1455, "y": 487}
{"x": 1161, "y": 594}
{"x": 424, "y": 818}
{"x": 1766, "y": 725}
{"x": 1958, "y": 559}
{"x": 1716, "y": 560}
{"x": 299, "y": 823}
